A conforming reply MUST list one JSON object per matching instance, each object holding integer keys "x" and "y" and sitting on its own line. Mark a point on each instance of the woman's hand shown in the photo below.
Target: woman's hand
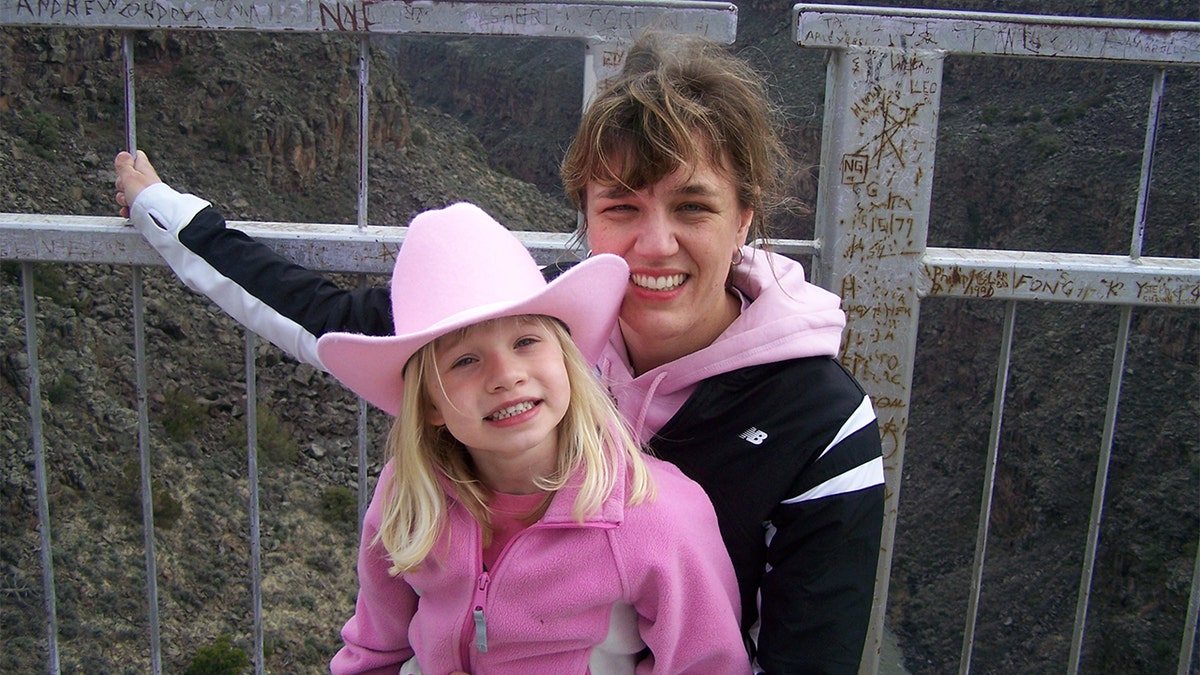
{"x": 133, "y": 176}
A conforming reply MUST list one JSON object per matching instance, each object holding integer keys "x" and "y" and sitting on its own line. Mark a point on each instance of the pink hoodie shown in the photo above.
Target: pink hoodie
{"x": 785, "y": 317}
{"x": 565, "y": 597}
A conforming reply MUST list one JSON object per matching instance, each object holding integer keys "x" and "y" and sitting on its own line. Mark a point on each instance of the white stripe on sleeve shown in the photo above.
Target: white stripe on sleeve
{"x": 861, "y": 417}
{"x": 862, "y": 476}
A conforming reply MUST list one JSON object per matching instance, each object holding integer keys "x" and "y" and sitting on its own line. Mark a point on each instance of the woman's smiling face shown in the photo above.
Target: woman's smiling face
{"x": 679, "y": 236}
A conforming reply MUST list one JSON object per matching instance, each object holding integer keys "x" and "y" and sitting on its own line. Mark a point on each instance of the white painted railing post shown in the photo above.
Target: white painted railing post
{"x": 877, "y": 152}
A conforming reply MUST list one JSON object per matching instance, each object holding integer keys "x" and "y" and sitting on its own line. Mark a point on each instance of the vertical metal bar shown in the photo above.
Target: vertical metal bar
{"x": 1193, "y": 617}
{"x": 139, "y": 364}
{"x": 39, "y": 469}
{"x": 143, "y": 422}
{"x": 364, "y": 95}
{"x": 130, "y": 112}
{"x": 364, "y": 91}
{"x": 592, "y": 65}
{"x": 1139, "y": 218}
{"x": 989, "y": 483}
{"x": 362, "y": 461}
{"x": 252, "y": 507}
{"x": 362, "y": 445}
{"x": 1110, "y": 423}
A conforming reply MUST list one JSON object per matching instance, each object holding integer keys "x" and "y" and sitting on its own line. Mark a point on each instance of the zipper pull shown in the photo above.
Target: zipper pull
{"x": 480, "y": 618}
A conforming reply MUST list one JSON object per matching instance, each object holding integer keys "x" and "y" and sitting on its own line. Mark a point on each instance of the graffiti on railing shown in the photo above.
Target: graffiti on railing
{"x": 1069, "y": 282}
{"x": 1032, "y": 36}
{"x": 883, "y": 402}
{"x": 877, "y": 366}
{"x": 84, "y": 9}
{"x": 884, "y": 172}
{"x": 613, "y": 58}
{"x": 1168, "y": 291}
{"x": 374, "y": 16}
{"x": 973, "y": 283}
{"x": 154, "y": 12}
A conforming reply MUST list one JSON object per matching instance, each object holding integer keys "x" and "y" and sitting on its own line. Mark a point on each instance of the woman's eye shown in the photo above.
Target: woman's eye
{"x": 614, "y": 209}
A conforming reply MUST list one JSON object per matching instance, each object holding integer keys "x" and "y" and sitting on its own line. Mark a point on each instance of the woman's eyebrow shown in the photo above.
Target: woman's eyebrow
{"x": 614, "y": 192}
{"x": 697, "y": 189}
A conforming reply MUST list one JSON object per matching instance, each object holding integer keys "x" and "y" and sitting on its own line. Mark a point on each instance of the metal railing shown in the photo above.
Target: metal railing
{"x": 873, "y": 213}
{"x": 878, "y": 146}
{"x": 604, "y": 27}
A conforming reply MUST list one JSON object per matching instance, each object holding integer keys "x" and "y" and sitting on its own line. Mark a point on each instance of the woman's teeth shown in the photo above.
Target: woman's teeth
{"x": 666, "y": 283}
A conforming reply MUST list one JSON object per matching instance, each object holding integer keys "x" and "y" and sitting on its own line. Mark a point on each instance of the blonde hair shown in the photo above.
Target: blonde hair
{"x": 592, "y": 439}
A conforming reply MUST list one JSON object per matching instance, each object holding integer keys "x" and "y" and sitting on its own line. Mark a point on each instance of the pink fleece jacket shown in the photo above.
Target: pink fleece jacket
{"x": 564, "y": 597}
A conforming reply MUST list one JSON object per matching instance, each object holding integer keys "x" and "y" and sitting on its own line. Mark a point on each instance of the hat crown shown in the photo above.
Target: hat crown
{"x": 458, "y": 260}
{"x": 458, "y": 267}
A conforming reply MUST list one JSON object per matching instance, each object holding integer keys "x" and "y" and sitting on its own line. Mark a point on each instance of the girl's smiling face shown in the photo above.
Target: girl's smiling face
{"x": 502, "y": 389}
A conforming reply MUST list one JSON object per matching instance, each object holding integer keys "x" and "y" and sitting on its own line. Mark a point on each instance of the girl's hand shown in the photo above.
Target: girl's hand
{"x": 133, "y": 176}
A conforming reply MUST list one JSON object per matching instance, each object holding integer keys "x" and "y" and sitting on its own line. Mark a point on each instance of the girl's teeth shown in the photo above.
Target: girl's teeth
{"x": 659, "y": 283}
{"x": 510, "y": 411}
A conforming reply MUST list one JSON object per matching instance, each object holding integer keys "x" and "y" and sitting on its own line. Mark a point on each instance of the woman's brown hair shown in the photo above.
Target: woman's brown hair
{"x": 678, "y": 100}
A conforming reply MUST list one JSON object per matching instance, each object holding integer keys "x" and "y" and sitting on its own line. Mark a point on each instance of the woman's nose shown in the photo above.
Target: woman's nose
{"x": 655, "y": 235}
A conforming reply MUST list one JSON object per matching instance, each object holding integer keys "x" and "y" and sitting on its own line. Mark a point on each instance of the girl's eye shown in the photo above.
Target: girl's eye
{"x": 527, "y": 341}
{"x": 463, "y": 361}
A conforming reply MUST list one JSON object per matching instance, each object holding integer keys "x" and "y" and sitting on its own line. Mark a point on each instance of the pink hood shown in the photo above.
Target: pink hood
{"x": 787, "y": 318}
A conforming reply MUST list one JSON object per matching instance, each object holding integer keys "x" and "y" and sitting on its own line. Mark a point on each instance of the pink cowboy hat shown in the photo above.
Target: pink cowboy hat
{"x": 457, "y": 267}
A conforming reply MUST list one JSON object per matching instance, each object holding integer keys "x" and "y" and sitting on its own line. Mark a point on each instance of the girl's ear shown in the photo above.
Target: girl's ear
{"x": 434, "y": 417}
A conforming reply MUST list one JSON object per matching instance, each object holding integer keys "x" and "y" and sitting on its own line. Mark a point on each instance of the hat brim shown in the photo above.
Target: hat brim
{"x": 587, "y": 298}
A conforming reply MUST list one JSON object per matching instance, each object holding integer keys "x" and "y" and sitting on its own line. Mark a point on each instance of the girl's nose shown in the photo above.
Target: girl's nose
{"x": 504, "y": 372}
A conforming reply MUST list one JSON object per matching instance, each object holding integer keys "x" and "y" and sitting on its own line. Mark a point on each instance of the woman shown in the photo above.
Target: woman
{"x": 723, "y": 360}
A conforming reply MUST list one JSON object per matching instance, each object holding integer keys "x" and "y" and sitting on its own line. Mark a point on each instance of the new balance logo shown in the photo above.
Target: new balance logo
{"x": 753, "y": 435}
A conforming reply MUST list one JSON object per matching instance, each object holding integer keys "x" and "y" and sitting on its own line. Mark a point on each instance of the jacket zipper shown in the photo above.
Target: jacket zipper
{"x": 478, "y": 604}
{"x": 479, "y": 601}
{"x": 479, "y": 598}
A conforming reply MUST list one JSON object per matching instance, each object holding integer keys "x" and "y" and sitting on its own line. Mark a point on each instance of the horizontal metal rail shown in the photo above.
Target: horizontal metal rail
{"x": 594, "y": 20}
{"x": 993, "y": 34}
{"x": 1061, "y": 277}
{"x": 948, "y": 272}
{"x": 329, "y": 248}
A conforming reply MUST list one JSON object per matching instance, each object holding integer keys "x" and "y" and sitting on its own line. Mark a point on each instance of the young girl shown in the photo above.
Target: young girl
{"x": 517, "y": 527}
